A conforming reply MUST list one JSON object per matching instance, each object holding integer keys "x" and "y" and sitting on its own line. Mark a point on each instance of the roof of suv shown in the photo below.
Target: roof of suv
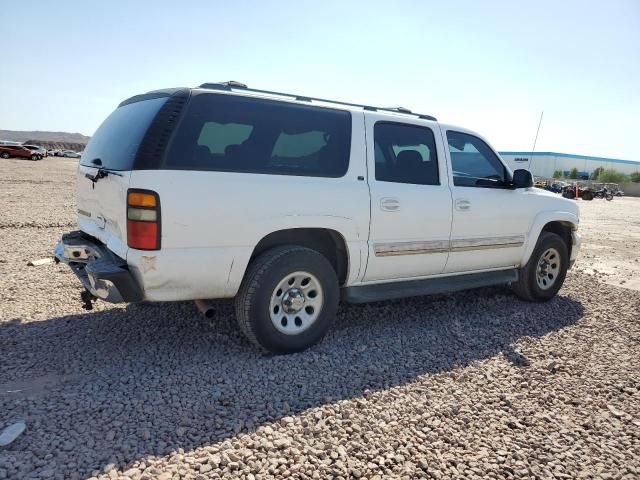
{"x": 237, "y": 88}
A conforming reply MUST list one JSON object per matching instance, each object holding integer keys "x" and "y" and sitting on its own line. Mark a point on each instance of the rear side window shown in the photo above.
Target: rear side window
{"x": 238, "y": 134}
{"x": 405, "y": 154}
{"x": 117, "y": 140}
{"x": 474, "y": 163}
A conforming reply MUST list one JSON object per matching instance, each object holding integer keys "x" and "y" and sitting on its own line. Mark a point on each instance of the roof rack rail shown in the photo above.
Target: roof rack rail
{"x": 232, "y": 84}
{"x": 401, "y": 109}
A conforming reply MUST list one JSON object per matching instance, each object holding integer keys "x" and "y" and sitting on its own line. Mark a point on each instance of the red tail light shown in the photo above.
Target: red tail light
{"x": 143, "y": 219}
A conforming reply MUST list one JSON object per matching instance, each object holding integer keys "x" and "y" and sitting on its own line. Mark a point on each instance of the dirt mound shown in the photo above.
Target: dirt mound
{"x": 75, "y": 146}
{"x": 49, "y": 140}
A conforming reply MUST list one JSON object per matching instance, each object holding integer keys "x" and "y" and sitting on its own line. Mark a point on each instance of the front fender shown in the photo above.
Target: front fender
{"x": 538, "y": 224}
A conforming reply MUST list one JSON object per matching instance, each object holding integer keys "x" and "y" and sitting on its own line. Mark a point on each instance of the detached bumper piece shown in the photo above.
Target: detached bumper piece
{"x": 102, "y": 273}
{"x": 576, "y": 242}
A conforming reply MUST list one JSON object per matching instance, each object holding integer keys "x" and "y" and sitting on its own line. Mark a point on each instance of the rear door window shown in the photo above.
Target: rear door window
{"x": 239, "y": 134}
{"x": 116, "y": 141}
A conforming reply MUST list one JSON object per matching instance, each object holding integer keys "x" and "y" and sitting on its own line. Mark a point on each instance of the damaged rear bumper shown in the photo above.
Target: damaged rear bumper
{"x": 101, "y": 272}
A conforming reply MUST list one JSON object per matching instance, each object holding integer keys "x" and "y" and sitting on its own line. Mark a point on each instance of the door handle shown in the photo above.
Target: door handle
{"x": 463, "y": 204}
{"x": 389, "y": 204}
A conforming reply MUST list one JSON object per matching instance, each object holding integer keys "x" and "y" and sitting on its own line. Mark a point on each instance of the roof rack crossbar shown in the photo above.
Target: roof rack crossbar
{"x": 233, "y": 85}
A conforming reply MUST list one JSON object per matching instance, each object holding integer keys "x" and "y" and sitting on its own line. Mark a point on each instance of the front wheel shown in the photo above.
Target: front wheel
{"x": 288, "y": 299}
{"x": 609, "y": 197}
{"x": 543, "y": 275}
{"x": 34, "y": 157}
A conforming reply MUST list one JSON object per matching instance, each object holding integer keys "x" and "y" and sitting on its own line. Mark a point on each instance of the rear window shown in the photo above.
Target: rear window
{"x": 239, "y": 134}
{"x": 117, "y": 140}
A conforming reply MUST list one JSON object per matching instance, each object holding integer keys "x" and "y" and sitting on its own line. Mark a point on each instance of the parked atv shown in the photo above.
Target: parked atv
{"x": 569, "y": 191}
{"x": 587, "y": 194}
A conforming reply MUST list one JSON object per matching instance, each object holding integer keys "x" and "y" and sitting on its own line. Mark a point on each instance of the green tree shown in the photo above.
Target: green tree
{"x": 611, "y": 176}
{"x": 557, "y": 174}
{"x": 573, "y": 174}
{"x": 635, "y": 177}
{"x": 596, "y": 173}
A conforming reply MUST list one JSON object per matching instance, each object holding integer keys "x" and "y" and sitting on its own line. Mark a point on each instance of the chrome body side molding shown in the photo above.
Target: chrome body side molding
{"x": 444, "y": 246}
{"x": 463, "y": 245}
{"x": 410, "y": 248}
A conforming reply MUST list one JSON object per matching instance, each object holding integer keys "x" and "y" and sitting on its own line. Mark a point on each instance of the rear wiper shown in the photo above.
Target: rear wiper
{"x": 101, "y": 173}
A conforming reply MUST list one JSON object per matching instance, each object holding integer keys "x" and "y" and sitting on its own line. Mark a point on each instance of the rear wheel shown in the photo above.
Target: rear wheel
{"x": 288, "y": 299}
{"x": 4, "y": 155}
{"x": 587, "y": 195}
{"x": 544, "y": 273}
{"x": 609, "y": 197}
{"x": 34, "y": 157}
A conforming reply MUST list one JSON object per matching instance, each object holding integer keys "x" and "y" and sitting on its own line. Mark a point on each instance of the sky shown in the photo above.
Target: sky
{"x": 491, "y": 66}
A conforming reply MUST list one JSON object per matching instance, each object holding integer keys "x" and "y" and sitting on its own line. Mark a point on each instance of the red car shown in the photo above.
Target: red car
{"x": 7, "y": 151}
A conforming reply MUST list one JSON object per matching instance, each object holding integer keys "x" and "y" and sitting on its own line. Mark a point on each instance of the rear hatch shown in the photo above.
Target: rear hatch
{"x": 105, "y": 169}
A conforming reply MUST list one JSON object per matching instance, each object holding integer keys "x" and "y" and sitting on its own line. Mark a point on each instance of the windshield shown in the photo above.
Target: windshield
{"x": 117, "y": 140}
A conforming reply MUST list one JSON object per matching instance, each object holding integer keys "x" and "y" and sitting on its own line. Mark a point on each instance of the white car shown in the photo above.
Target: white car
{"x": 38, "y": 150}
{"x": 69, "y": 154}
{"x": 290, "y": 204}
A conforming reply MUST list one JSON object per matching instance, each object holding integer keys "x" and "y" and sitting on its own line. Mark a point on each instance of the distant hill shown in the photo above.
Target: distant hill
{"x": 49, "y": 140}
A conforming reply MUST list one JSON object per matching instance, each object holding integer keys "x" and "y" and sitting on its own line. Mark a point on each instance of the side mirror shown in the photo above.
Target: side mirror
{"x": 522, "y": 179}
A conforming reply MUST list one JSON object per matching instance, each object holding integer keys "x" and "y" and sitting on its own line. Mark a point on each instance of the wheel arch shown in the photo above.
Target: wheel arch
{"x": 562, "y": 229}
{"x": 560, "y": 223}
{"x": 326, "y": 241}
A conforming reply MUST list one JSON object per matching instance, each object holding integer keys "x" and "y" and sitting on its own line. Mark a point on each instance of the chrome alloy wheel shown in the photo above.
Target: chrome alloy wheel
{"x": 296, "y": 303}
{"x": 548, "y": 269}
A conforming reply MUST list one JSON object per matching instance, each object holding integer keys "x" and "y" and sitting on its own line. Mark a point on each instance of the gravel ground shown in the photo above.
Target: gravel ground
{"x": 611, "y": 237}
{"x": 469, "y": 385}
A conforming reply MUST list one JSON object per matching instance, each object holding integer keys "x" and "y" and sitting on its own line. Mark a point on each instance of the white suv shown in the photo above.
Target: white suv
{"x": 290, "y": 204}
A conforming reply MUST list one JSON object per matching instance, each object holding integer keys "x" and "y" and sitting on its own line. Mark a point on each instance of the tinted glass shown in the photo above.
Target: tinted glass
{"x": 474, "y": 163}
{"x": 117, "y": 140}
{"x": 405, "y": 154}
{"x": 240, "y": 134}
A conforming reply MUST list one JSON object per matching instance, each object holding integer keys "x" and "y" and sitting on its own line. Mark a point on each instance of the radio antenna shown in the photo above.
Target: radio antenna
{"x": 535, "y": 140}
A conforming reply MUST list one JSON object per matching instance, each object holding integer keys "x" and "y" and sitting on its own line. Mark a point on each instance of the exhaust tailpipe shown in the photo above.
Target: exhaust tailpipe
{"x": 205, "y": 308}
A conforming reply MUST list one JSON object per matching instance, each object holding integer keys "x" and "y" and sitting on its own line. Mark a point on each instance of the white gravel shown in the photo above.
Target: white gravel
{"x": 471, "y": 385}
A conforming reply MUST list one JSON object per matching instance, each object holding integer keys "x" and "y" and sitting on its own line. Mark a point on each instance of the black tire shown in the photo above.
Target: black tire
{"x": 569, "y": 194}
{"x": 609, "y": 197}
{"x": 253, "y": 301}
{"x": 587, "y": 195}
{"x": 34, "y": 157}
{"x": 4, "y": 155}
{"x": 527, "y": 287}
